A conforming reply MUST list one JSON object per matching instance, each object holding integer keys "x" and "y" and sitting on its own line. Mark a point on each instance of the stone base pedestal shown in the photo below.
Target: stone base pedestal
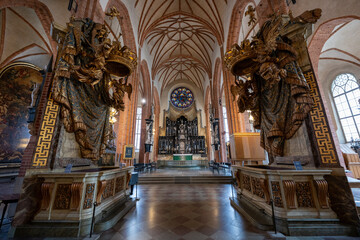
{"x": 300, "y": 199}
{"x": 66, "y": 202}
{"x": 290, "y": 227}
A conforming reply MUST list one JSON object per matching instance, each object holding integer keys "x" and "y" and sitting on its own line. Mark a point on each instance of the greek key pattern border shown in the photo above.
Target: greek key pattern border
{"x": 325, "y": 145}
{"x": 46, "y": 134}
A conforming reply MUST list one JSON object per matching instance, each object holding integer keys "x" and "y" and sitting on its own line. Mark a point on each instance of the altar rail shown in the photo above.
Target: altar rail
{"x": 296, "y": 194}
{"x": 182, "y": 163}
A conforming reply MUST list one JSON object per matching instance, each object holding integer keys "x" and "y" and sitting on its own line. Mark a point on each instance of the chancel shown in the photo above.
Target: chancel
{"x": 227, "y": 119}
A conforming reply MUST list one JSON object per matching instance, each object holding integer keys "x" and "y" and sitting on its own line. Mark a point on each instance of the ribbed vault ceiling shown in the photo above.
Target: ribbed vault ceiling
{"x": 181, "y": 36}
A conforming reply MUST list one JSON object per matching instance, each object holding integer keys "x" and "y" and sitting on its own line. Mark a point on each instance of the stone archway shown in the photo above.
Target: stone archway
{"x": 146, "y": 109}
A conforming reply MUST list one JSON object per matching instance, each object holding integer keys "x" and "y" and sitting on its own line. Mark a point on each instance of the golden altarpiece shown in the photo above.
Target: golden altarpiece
{"x": 276, "y": 82}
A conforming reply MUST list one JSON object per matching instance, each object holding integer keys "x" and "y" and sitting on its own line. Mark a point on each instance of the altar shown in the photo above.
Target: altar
{"x": 182, "y": 160}
{"x": 177, "y": 157}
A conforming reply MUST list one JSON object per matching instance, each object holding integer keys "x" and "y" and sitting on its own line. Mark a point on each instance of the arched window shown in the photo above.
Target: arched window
{"x": 226, "y": 126}
{"x": 138, "y": 129}
{"x": 346, "y": 94}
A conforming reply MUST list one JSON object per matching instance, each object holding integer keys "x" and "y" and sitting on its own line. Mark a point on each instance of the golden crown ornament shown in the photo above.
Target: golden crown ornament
{"x": 121, "y": 61}
{"x": 239, "y": 59}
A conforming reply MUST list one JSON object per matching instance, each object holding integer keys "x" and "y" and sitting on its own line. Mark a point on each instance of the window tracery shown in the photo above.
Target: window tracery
{"x": 346, "y": 94}
{"x": 182, "y": 97}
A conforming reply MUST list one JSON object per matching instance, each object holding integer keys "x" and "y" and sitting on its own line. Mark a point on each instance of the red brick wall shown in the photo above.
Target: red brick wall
{"x": 29, "y": 150}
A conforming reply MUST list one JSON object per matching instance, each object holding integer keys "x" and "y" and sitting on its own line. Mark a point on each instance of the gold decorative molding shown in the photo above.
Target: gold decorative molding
{"x": 323, "y": 139}
{"x": 276, "y": 192}
{"x": 46, "y": 190}
{"x": 289, "y": 189}
{"x": 18, "y": 64}
{"x": 264, "y": 186}
{"x": 128, "y": 176}
{"x": 246, "y": 134}
{"x": 322, "y": 192}
{"x": 75, "y": 195}
{"x": 47, "y": 129}
{"x": 89, "y": 195}
{"x": 101, "y": 188}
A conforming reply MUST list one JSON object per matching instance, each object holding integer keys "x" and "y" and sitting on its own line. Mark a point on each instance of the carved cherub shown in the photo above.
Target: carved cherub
{"x": 251, "y": 12}
{"x": 119, "y": 90}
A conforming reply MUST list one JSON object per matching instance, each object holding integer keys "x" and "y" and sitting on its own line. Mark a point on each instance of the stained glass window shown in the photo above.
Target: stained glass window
{"x": 346, "y": 94}
{"x": 182, "y": 97}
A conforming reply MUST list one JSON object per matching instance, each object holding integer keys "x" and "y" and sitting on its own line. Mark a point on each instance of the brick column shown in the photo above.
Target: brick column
{"x": 41, "y": 114}
{"x": 324, "y": 146}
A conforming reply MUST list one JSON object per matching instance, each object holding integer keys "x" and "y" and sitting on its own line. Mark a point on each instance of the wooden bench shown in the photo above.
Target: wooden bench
{"x": 151, "y": 166}
{"x": 139, "y": 167}
{"x": 214, "y": 166}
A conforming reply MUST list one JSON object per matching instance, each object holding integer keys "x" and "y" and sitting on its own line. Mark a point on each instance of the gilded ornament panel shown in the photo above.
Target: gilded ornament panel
{"x": 275, "y": 186}
{"x": 120, "y": 184}
{"x": 257, "y": 189}
{"x": 321, "y": 130}
{"x": 89, "y": 195}
{"x": 47, "y": 129}
{"x": 304, "y": 195}
{"x": 62, "y": 197}
{"x": 109, "y": 189}
{"x": 246, "y": 182}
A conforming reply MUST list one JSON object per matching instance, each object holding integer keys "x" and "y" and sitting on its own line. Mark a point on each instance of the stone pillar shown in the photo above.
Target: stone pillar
{"x": 324, "y": 150}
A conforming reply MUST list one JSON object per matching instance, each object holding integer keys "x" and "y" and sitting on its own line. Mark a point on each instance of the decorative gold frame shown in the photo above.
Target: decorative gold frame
{"x": 124, "y": 152}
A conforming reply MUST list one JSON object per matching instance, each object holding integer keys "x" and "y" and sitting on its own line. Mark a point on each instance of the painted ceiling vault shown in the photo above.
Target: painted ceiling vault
{"x": 181, "y": 36}
{"x": 25, "y": 33}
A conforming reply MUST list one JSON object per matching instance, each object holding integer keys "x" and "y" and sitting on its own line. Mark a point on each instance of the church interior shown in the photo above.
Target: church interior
{"x": 179, "y": 119}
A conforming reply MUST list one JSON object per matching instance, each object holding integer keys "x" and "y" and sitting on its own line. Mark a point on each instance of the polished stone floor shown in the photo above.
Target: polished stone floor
{"x": 177, "y": 211}
{"x": 188, "y": 211}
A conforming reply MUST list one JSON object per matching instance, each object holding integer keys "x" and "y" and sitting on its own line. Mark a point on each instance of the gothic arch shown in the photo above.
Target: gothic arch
{"x": 45, "y": 17}
{"x": 146, "y": 109}
{"x": 125, "y": 23}
{"x": 321, "y": 35}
